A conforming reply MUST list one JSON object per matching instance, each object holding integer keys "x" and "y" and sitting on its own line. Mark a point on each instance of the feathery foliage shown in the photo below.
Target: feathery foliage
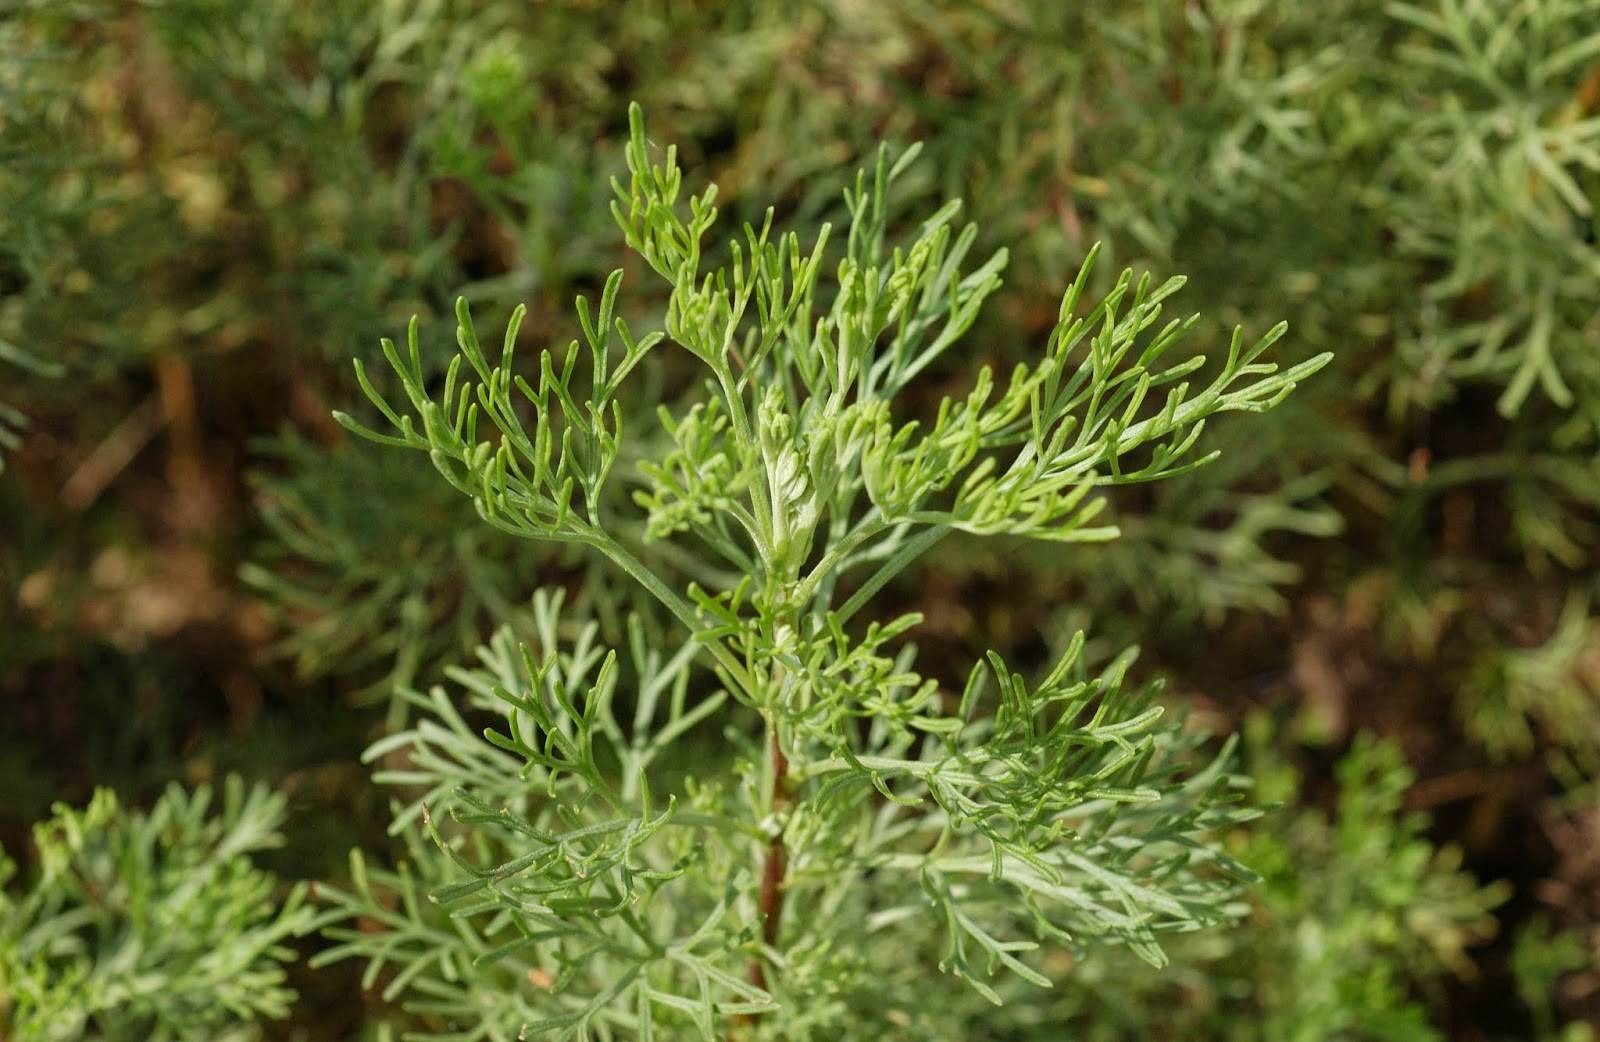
{"x": 148, "y": 926}
{"x": 207, "y": 208}
{"x": 851, "y": 789}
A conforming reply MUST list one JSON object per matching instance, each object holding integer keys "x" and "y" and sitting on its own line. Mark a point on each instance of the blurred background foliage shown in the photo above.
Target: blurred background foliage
{"x": 207, "y": 208}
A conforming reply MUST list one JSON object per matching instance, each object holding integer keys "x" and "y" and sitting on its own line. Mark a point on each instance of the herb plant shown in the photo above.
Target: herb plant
{"x": 1356, "y": 916}
{"x": 149, "y": 925}
{"x": 1414, "y": 182}
{"x": 588, "y": 886}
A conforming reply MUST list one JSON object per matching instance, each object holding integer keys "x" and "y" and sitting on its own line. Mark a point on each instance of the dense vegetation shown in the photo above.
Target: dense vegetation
{"x": 643, "y": 697}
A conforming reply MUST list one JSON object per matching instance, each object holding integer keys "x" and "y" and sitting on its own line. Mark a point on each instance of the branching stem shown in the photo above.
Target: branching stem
{"x": 670, "y": 599}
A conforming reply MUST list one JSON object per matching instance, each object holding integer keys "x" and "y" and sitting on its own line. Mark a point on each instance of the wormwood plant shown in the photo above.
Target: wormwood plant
{"x": 31, "y": 223}
{"x": 594, "y": 887}
{"x": 1357, "y": 915}
{"x": 148, "y": 926}
{"x": 357, "y": 609}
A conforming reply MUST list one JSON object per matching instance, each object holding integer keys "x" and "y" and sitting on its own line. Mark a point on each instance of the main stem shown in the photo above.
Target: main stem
{"x": 775, "y": 861}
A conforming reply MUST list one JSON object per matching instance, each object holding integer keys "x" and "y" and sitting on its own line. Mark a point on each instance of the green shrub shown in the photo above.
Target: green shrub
{"x": 149, "y": 926}
{"x": 855, "y": 795}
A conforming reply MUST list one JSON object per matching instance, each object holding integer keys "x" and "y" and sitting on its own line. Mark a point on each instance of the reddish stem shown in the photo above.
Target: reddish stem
{"x": 775, "y": 864}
